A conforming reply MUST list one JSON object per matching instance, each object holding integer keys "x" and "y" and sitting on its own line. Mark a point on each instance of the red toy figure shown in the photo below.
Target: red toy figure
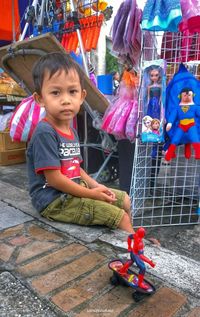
{"x": 137, "y": 255}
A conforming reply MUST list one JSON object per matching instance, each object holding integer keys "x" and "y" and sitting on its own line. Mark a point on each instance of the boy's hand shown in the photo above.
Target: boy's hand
{"x": 103, "y": 193}
{"x": 108, "y": 191}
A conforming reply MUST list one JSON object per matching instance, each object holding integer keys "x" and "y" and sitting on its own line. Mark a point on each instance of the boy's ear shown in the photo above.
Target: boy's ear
{"x": 84, "y": 94}
{"x": 38, "y": 99}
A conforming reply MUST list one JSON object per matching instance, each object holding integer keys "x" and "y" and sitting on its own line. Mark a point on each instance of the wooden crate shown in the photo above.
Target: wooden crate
{"x": 6, "y": 142}
{"x": 11, "y": 157}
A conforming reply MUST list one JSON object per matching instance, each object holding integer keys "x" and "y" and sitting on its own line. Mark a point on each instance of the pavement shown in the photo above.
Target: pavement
{"x": 54, "y": 269}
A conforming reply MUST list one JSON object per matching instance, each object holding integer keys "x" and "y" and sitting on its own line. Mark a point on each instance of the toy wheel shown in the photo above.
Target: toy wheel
{"x": 137, "y": 296}
{"x": 123, "y": 283}
{"x": 114, "y": 280}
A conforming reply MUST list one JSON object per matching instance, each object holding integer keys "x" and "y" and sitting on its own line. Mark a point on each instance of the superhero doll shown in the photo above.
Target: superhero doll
{"x": 184, "y": 117}
{"x": 182, "y": 114}
{"x": 136, "y": 249}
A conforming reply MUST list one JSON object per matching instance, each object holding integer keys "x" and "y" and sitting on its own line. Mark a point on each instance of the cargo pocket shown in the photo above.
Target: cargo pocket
{"x": 52, "y": 209}
{"x": 85, "y": 215}
{"x": 58, "y": 211}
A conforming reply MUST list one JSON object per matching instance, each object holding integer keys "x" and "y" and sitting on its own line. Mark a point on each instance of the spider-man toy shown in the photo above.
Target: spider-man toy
{"x": 136, "y": 249}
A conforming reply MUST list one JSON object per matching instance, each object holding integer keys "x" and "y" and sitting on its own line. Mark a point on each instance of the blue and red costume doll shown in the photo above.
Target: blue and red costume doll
{"x": 182, "y": 113}
{"x": 136, "y": 249}
{"x": 184, "y": 118}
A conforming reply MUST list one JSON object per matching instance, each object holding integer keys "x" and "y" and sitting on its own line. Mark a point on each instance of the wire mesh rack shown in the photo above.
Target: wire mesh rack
{"x": 166, "y": 193}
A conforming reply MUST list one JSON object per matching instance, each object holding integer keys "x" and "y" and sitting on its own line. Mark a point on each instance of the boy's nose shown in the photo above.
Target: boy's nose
{"x": 65, "y": 100}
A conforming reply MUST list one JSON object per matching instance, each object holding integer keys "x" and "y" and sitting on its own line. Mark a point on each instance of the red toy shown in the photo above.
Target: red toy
{"x": 137, "y": 255}
{"x": 123, "y": 275}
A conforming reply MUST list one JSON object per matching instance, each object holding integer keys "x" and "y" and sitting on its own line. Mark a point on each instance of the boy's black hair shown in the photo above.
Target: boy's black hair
{"x": 53, "y": 62}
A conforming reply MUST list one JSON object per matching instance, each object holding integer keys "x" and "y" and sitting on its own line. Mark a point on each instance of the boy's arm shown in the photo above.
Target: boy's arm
{"x": 92, "y": 183}
{"x": 62, "y": 183}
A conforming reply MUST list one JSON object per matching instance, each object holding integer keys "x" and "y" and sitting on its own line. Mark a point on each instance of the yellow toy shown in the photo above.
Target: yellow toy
{"x": 84, "y": 7}
{"x": 87, "y": 7}
{"x": 99, "y": 6}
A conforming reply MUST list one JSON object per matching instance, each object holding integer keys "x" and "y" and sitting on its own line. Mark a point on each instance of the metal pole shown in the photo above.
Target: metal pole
{"x": 22, "y": 36}
{"x": 41, "y": 16}
{"x": 85, "y": 149}
{"x": 13, "y": 20}
{"x": 80, "y": 41}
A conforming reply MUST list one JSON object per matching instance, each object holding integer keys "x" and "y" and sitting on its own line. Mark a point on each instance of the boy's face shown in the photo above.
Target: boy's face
{"x": 62, "y": 96}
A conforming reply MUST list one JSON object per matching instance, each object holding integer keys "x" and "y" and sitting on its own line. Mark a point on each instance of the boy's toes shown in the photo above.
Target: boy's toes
{"x": 154, "y": 241}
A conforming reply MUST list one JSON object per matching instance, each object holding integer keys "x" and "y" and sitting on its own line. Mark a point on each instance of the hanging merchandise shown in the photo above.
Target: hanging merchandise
{"x": 88, "y": 7}
{"x": 183, "y": 113}
{"x": 9, "y": 27}
{"x": 190, "y": 8}
{"x": 99, "y": 5}
{"x": 90, "y": 28}
{"x": 24, "y": 119}
{"x": 190, "y": 31}
{"x": 126, "y": 31}
{"x": 161, "y": 15}
{"x": 131, "y": 123}
{"x": 119, "y": 26}
{"x": 153, "y": 96}
{"x": 120, "y": 119}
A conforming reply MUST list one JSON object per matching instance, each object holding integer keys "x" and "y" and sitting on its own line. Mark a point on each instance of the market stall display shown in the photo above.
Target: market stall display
{"x": 10, "y": 95}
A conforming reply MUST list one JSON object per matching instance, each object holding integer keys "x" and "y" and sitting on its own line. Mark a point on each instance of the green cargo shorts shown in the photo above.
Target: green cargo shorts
{"x": 86, "y": 211}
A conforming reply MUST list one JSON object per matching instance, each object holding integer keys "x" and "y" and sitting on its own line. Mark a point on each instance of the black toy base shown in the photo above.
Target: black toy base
{"x": 130, "y": 279}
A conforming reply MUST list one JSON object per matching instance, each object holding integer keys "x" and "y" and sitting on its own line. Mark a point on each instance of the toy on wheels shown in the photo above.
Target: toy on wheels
{"x": 129, "y": 279}
{"x": 123, "y": 275}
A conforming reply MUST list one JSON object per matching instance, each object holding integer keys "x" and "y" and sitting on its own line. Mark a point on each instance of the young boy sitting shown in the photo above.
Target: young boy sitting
{"x": 60, "y": 189}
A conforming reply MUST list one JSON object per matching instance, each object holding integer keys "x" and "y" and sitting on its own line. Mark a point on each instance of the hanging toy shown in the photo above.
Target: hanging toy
{"x": 85, "y": 7}
{"x": 182, "y": 113}
{"x": 184, "y": 116}
{"x": 99, "y": 6}
{"x": 153, "y": 93}
{"x": 68, "y": 7}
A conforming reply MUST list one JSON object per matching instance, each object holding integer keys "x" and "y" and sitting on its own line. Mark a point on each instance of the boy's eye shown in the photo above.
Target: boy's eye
{"x": 73, "y": 91}
{"x": 55, "y": 92}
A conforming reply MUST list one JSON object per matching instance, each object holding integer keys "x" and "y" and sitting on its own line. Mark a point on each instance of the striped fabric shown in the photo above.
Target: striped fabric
{"x": 24, "y": 119}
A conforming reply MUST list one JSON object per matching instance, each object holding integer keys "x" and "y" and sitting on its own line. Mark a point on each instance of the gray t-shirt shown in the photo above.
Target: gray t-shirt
{"x": 51, "y": 149}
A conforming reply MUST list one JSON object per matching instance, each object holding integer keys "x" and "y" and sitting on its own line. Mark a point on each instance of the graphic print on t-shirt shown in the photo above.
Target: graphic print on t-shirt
{"x": 70, "y": 162}
{"x": 71, "y": 168}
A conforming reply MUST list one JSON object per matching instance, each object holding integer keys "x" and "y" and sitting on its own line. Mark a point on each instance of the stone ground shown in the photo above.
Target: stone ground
{"x": 54, "y": 269}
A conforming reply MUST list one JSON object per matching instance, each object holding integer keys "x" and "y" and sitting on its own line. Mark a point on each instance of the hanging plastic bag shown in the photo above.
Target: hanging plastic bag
{"x": 24, "y": 119}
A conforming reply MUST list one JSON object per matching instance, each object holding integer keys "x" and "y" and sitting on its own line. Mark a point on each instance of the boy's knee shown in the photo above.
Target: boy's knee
{"x": 126, "y": 218}
{"x": 127, "y": 202}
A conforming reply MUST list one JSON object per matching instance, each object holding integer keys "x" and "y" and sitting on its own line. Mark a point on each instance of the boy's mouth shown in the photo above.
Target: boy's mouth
{"x": 67, "y": 111}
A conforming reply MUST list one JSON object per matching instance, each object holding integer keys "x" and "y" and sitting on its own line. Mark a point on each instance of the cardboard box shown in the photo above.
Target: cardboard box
{"x": 6, "y": 142}
{"x": 11, "y": 157}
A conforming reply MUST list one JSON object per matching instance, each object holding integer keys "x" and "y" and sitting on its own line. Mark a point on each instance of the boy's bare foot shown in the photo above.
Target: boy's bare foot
{"x": 154, "y": 241}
